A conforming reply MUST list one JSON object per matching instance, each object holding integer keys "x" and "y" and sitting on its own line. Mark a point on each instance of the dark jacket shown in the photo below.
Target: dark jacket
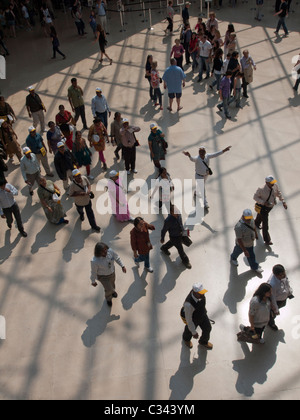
{"x": 173, "y": 225}
{"x": 63, "y": 162}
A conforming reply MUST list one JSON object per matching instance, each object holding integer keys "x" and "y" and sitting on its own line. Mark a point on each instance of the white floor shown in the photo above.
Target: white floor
{"x": 62, "y": 340}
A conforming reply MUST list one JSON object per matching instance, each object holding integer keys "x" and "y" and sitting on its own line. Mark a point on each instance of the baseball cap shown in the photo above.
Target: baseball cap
{"x": 113, "y": 173}
{"x": 31, "y": 129}
{"x": 30, "y": 88}
{"x": 98, "y": 89}
{"x": 152, "y": 126}
{"x": 125, "y": 120}
{"x": 26, "y": 150}
{"x": 198, "y": 288}
{"x": 60, "y": 144}
{"x": 271, "y": 179}
{"x": 247, "y": 213}
{"x": 76, "y": 172}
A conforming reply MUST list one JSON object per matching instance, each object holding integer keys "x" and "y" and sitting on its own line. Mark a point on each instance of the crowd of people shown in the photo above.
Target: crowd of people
{"x": 204, "y": 48}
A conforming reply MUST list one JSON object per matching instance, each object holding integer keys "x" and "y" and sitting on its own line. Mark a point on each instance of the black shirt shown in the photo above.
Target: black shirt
{"x": 283, "y": 8}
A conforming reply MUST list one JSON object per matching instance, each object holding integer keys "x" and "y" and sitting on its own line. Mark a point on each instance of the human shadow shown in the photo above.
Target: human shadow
{"x": 236, "y": 289}
{"x": 6, "y": 250}
{"x": 97, "y": 325}
{"x": 174, "y": 270}
{"x": 257, "y": 362}
{"x": 46, "y": 236}
{"x": 182, "y": 382}
{"x": 136, "y": 290}
{"x": 76, "y": 241}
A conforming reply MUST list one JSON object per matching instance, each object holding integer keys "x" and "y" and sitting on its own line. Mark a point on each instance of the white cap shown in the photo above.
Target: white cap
{"x": 198, "y": 288}
{"x": 247, "y": 213}
{"x": 60, "y": 144}
{"x": 270, "y": 179}
{"x": 153, "y": 125}
{"x": 76, "y": 172}
{"x": 113, "y": 173}
{"x": 31, "y": 129}
{"x": 125, "y": 120}
{"x": 96, "y": 138}
{"x": 30, "y": 88}
{"x": 26, "y": 150}
{"x": 98, "y": 89}
{"x": 1, "y": 122}
{"x": 10, "y": 117}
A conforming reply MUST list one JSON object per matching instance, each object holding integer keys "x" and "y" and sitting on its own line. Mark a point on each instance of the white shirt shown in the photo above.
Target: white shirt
{"x": 188, "y": 311}
{"x": 99, "y": 104}
{"x": 104, "y": 266}
{"x": 205, "y": 48}
{"x": 29, "y": 166}
{"x": 281, "y": 289}
{"x": 7, "y": 198}
{"x": 200, "y": 168}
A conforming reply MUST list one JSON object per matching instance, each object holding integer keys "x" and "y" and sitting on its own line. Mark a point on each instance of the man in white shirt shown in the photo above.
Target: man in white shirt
{"x": 103, "y": 270}
{"x": 205, "y": 50}
{"x": 281, "y": 291}
{"x": 30, "y": 169}
{"x": 100, "y": 106}
{"x": 9, "y": 207}
{"x": 202, "y": 170}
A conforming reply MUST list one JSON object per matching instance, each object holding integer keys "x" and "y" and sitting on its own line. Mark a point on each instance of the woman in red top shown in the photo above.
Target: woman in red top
{"x": 193, "y": 50}
{"x": 178, "y": 52}
{"x": 140, "y": 242}
{"x": 64, "y": 116}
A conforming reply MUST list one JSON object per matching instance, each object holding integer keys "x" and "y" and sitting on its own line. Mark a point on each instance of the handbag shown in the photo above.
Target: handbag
{"x": 186, "y": 240}
{"x": 258, "y": 208}
{"x": 209, "y": 170}
{"x": 247, "y": 336}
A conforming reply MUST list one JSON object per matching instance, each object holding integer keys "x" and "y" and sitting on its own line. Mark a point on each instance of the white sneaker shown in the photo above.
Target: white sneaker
{"x": 149, "y": 269}
{"x": 259, "y": 270}
{"x": 134, "y": 171}
{"x": 136, "y": 263}
{"x": 234, "y": 262}
{"x": 128, "y": 172}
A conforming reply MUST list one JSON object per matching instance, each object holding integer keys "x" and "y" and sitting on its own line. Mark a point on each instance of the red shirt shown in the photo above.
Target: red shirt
{"x": 63, "y": 119}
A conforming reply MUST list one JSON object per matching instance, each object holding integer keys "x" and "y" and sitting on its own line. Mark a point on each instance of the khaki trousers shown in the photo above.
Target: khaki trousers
{"x": 108, "y": 282}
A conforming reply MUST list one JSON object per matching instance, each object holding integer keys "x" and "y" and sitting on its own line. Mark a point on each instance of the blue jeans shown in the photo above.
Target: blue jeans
{"x": 144, "y": 258}
{"x": 225, "y": 105}
{"x": 281, "y": 22}
{"x": 217, "y": 81}
{"x": 203, "y": 61}
{"x": 237, "y": 251}
{"x": 236, "y": 97}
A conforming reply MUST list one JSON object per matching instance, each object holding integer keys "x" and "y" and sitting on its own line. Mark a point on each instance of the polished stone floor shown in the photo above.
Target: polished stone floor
{"x": 62, "y": 340}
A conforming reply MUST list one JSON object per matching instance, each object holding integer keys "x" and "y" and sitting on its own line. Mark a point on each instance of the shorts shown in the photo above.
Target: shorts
{"x": 172, "y": 95}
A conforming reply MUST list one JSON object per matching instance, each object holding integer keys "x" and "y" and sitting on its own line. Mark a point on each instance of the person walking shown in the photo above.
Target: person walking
{"x": 129, "y": 144}
{"x": 225, "y": 87}
{"x": 282, "y": 14}
{"x": 140, "y": 243}
{"x": 170, "y": 18}
{"x": 9, "y": 140}
{"x": 155, "y": 83}
{"x": 37, "y": 146}
{"x": 49, "y": 195}
{"x": 54, "y": 136}
{"x": 97, "y": 136}
{"x": 9, "y": 207}
{"x": 259, "y": 311}
{"x": 103, "y": 270}
{"x": 80, "y": 190}
{"x": 118, "y": 198}
{"x": 205, "y": 54}
{"x": 100, "y": 107}
{"x": 177, "y": 51}
{"x": 174, "y": 80}
{"x": 55, "y": 43}
{"x": 115, "y": 135}
{"x": 30, "y": 168}
{"x": 202, "y": 169}
{"x": 75, "y": 96}
{"x": 281, "y": 291}
{"x": 265, "y": 199}
{"x": 194, "y": 315}
{"x": 82, "y": 154}
{"x": 64, "y": 163}
{"x": 247, "y": 66}
{"x": 157, "y": 145}
{"x": 245, "y": 234}
{"x": 35, "y": 108}
{"x": 101, "y": 39}
{"x": 173, "y": 225}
